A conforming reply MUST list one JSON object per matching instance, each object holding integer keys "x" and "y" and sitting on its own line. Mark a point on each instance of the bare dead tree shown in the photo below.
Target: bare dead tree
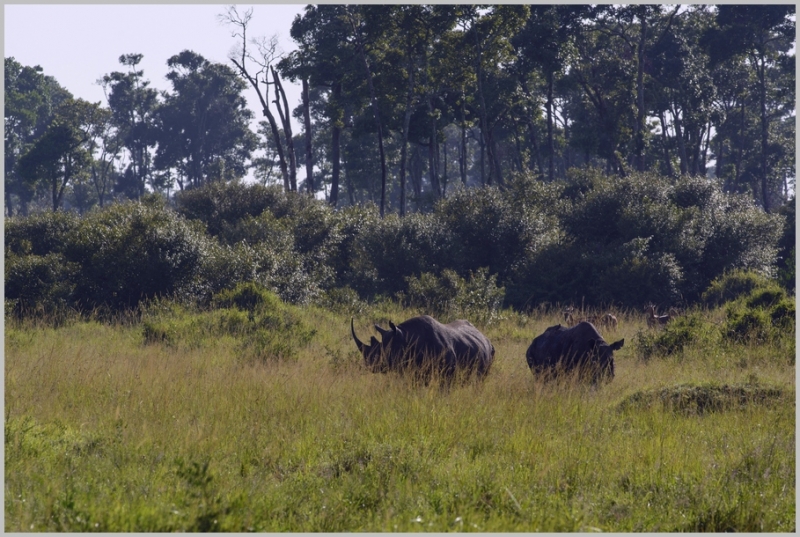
{"x": 267, "y": 54}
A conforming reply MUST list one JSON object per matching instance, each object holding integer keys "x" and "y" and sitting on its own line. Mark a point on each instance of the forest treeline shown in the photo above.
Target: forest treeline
{"x": 404, "y": 104}
{"x": 590, "y": 240}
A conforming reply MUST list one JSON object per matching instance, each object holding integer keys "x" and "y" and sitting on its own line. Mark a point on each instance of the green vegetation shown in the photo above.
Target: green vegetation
{"x": 182, "y": 418}
{"x": 592, "y": 240}
{"x": 178, "y": 353}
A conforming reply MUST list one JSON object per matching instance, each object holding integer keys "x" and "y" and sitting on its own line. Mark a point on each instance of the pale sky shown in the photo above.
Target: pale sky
{"x": 78, "y": 44}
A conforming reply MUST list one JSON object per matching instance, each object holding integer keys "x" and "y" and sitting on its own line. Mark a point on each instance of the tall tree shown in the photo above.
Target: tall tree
{"x": 204, "y": 128}
{"x": 133, "y": 106}
{"x": 31, "y": 99}
{"x": 63, "y": 151}
{"x": 765, "y": 34}
{"x": 327, "y": 59}
{"x": 356, "y": 22}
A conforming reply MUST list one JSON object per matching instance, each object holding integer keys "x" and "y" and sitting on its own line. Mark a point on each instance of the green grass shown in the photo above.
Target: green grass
{"x": 106, "y": 432}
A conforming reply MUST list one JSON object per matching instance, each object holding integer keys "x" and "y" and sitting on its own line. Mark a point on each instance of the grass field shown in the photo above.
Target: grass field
{"x": 105, "y": 431}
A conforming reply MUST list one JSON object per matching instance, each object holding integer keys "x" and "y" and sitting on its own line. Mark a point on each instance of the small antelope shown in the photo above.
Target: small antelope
{"x": 656, "y": 320}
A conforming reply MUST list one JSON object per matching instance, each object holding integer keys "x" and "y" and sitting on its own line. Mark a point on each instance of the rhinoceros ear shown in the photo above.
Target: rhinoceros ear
{"x": 617, "y": 345}
{"x": 382, "y": 331}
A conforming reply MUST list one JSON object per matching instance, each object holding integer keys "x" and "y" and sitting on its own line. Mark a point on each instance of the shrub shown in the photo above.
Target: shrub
{"x": 39, "y": 234}
{"x": 678, "y": 334}
{"x": 39, "y": 283}
{"x": 478, "y": 298}
{"x": 343, "y": 300}
{"x": 489, "y": 230}
{"x": 220, "y": 203}
{"x": 765, "y": 314}
{"x": 395, "y": 248}
{"x": 263, "y": 327}
{"x": 704, "y": 398}
{"x": 732, "y": 285}
{"x": 249, "y": 297}
{"x": 134, "y": 251}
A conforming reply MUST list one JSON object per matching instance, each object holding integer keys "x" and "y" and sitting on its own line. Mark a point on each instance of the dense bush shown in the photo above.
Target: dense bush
{"x": 732, "y": 285}
{"x": 595, "y": 239}
{"x": 765, "y": 313}
{"x": 134, "y": 251}
{"x": 677, "y": 335}
{"x": 39, "y": 283}
{"x": 488, "y": 230}
{"x": 690, "y": 228}
{"x": 39, "y": 234}
{"x": 395, "y": 248}
{"x": 218, "y": 203}
{"x": 451, "y": 296}
{"x": 112, "y": 258}
{"x": 265, "y": 328}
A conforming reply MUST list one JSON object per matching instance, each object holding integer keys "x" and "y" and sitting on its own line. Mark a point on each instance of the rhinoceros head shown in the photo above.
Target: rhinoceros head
{"x": 380, "y": 356}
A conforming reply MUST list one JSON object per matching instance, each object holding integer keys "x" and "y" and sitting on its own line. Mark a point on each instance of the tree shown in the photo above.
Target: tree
{"x": 764, "y": 34}
{"x": 63, "y": 151}
{"x": 203, "y": 124}
{"x": 30, "y": 101}
{"x": 544, "y": 44}
{"x": 133, "y": 106}
{"x": 267, "y": 54}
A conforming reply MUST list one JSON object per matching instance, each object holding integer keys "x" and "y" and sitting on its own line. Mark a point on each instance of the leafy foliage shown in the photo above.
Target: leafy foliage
{"x": 452, "y": 297}
{"x": 266, "y": 329}
{"x": 678, "y": 334}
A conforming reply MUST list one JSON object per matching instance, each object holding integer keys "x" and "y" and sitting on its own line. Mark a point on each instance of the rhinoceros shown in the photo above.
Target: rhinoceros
{"x": 424, "y": 345}
{"x": 566, "y": 349}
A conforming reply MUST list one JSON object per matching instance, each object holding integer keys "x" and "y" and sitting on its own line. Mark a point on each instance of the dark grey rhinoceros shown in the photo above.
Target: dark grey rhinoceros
{"x": 424, "y": 345}
{"x": 561, "y": 349}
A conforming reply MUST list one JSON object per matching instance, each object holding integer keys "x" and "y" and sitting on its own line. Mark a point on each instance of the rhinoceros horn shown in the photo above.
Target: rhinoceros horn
{"x": 383, "y": 331}
{"x": 361, "y": 346}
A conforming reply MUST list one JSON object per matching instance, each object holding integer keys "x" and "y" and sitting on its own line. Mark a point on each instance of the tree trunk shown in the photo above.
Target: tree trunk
{"x": 550, "y": 145}
{"x": 276, "y": 136}
{"x": 486, "y": 131}
{"x": 536, "y": 156}
{"x": 404, "y": 144}
{"x": 285, "y": 115}
{"x": 665, "y": 140}
{"x": 335, "y": 149}
{"x": 432, "y": 152}
{"x": 482, "y": 143}
{"x": 9, "y": 207}
{"x": 309, "y": 153}
{"x": 740, "y": 147}
{"x": 375, "y": 111}
{"x": 416, "y": 172}
{"x": 444, "y": 167}
{"x": 681, "y": 141}
{"x": 462, "y": 154}
{"x": 640, "y": 116}
{"x": 762, "y": 94}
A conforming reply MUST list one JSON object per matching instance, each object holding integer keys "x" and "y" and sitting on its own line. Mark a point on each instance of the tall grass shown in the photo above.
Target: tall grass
{"x": 106, "y": 432}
